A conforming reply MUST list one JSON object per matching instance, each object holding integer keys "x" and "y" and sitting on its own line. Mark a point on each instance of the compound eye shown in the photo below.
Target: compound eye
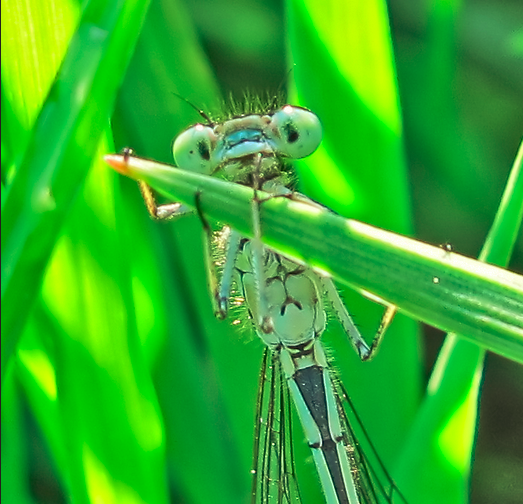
{"x": 192, "y": 149}
{"x": 299, "y": 131}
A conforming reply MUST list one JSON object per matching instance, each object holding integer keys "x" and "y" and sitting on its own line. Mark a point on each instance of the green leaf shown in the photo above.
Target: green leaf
{"x": 50, "y": 173}
{"x": 124, "y": 303}
{"x": 447, "y": 290}
{"x": 442, "y": 436}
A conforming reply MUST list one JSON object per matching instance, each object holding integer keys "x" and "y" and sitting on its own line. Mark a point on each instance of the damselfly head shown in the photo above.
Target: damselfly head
{"x": 289, "y": 132}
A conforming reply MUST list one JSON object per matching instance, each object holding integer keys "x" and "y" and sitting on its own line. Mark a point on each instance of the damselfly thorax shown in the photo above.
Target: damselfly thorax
{"x": 293, "y": 297}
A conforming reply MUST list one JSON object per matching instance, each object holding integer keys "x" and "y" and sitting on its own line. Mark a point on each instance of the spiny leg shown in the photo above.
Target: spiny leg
{"x": 365, "y": 351}
{"x": 232, "y": 247}
{"x": 161, "y": 212}
{"x": 157, "y": 212}
{"x": 220, "y": 292}
{"x": 220, "y": 289}
{"x": 264, "y": 321}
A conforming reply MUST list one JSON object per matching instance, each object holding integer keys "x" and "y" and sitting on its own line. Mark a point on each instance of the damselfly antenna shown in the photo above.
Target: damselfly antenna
{"x": 200, "y": 111}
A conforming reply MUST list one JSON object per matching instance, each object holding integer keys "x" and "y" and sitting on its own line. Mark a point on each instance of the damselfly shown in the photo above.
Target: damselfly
{"x": 285, "y": 302}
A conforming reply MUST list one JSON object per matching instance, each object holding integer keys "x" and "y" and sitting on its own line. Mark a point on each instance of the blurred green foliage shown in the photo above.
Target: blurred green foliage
{"x": 98, "y": 403}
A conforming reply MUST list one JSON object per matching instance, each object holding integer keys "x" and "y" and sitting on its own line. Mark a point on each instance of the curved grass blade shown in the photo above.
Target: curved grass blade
{"x": 48, "y": 177}
{"x": 442, "y": 438}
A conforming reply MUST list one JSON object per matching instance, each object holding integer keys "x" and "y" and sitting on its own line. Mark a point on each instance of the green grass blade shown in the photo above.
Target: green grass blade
{"x": 124, "y": 299}
{"x": 74, "y": 116}
{"x": 344, "y": 71}
{"x": 14, "y": 446}
{"x": 442, "y": 288}
{"x": 207, "y": 410}
{"x": 80, "y": 363}
{"x": 437, "y": 457}
{"x": 506, "y": 227}
{"x": 83, "y": 366}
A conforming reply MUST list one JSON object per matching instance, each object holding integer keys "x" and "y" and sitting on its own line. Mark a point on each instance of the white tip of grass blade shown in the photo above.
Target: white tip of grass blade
{"x": 135, "y": 167}
{"x": 119, "y": 163}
